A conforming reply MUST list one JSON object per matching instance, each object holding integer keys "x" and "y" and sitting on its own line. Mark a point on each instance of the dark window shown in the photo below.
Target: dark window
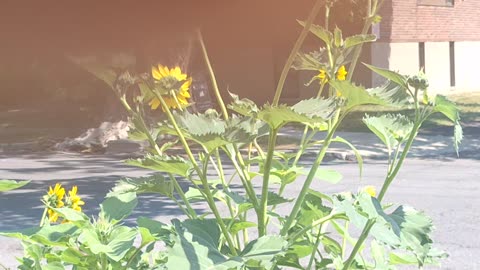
{"x": 452, "y": 63}
{"x": 421, "y": 55}
{"x": 440, "y": 3}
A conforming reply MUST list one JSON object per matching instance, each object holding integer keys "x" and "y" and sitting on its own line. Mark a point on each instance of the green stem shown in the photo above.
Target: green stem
{"x": 344, "y": 242}
{"x": 180, "y": 192}
{"x": 390, "y": 177}
{"x": 315, "y": 248}
{"x": 302, "y": 146}
{"x": 155, "y": 146}
{"x": 221, "y": 174}
{"x": 296, "y": 48}
{"x": 358, "y": 245}
{"x": 212, "y": 76}
{"x": 311, "y": 226}
{"x": 206, "y": 187}
{"x": 262, "y": 214}
{"x": 308, "y": 181}
{"x": 44, "y": 215}
{"x": 398, "y": 165}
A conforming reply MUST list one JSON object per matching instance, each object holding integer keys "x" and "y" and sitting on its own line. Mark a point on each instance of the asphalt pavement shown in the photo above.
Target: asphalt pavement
{"x": 433, "y": 179}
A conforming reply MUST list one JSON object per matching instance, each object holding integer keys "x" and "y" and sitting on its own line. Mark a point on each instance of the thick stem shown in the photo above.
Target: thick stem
{"x": 296, "y": 48}
{"x": 212, "y": 77}
{"x": 262, "y": 213}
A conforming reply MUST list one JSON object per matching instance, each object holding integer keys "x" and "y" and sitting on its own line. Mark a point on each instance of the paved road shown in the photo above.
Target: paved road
{"x": 446, "y": 188}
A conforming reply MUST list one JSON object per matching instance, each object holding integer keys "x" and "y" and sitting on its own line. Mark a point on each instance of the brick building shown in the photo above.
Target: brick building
{"x": 441, "y": 36}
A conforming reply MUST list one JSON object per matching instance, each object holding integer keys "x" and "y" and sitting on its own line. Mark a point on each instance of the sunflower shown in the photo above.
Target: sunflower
{"x": 73, "y": 200}
{"x": 176, "y": 83}
{"x": 54, "y": 199}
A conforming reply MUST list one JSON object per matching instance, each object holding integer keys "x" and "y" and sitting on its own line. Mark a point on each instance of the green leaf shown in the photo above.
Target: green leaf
{"x": 6, "y": 185}
{"x": 450, "y": 110}
{"x": 190, "y": 252}
{"x": 320, "y": 32}
{"x": 238, "y": 226}
{"x": 119, "y": 206}
{"x": 447, "y": 108}
{"x": 205, "y": 231}
{"x": 157, "y": 229}
{"x": 56, "y": 235}
{"x": 53, "y": 266}
{"x": 150, "y": 184}
{"x": 306, "y": 111}
{"x": 168, "y": 164}
{"x": 328, "y": 175}
{"x": 243, "y": 106}
{"x": 389, "y": 128}
{"x": 390, "y": 75}
{"x": 120, "y": 241}
{"x": 359, "y": 39}
{"x": 265, "y": 249}
{"x": 73, "y": 256}
{"x": 78, "y": 218}
{"x": 314, "y": 61}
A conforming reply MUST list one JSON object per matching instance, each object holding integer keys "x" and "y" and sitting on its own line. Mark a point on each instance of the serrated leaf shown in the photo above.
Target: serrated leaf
{"x": 390, "y": 129}
{"x": 390, "y": 75}
{"x": 356, "y": 95}
{"x": 243, "y": 106}
{"x": 447, "y": 108}
{"x": 118, "y": 207}
{"x": 6, "y": 185}
{"x": 151, "y": 184}
{"x": 313, "y": 61}
{"x": 359, "y": 39}
{"x": 450, "y": 110}
{"x": 320, "y": 32}
{"x": 168, "y": 164}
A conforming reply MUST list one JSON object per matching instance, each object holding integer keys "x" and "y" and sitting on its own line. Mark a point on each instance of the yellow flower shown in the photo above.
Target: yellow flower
{"x": 342, "y": 73}
{"x": 55, "y": 199}
{"x": 322, "y": 75}
{"x": 74, "y": 201}
{"x": 173, "y": 81}
{"x": 371, "y": 190}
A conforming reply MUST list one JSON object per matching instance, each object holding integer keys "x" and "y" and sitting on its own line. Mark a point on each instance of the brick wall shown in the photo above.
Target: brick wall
{"x": 405, "y": 21}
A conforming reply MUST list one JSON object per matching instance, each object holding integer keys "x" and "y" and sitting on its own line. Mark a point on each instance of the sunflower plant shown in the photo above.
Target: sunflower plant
{"x": 243, "y": 229}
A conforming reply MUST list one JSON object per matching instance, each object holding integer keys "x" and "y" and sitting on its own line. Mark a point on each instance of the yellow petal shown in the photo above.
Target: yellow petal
{"x": 154, "y": 103}
{"x": 163, "y": 70}
{"x": 156, "y": 74}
